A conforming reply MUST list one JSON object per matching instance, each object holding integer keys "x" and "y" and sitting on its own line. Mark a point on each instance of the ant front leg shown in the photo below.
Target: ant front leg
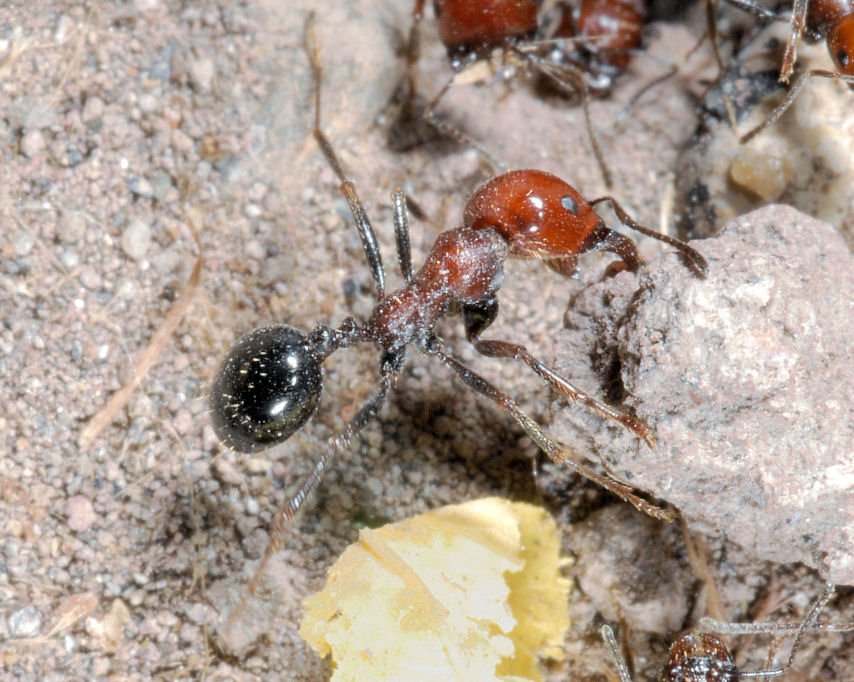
{"x": 699, "y": 263}
{"x": 401, "y": 235}
{"x": 479, "y": 316}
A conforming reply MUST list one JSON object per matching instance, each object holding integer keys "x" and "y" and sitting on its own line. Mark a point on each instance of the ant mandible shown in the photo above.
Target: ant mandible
{"x": 270, "y": 381}
{"x": 705, "y": 657}
{"x": 828, "y": 20}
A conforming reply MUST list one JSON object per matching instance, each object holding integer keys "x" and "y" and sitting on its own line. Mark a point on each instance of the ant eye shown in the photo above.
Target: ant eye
{"x": 842, "y": 59}
{"x": 569, "y": 204}
{"x": 266, "y": 389}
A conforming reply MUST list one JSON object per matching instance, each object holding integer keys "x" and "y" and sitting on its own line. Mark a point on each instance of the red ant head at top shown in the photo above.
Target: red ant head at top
{"x": 840, "y": 43}
{"x": 610, "y": 28}
{"x": 472, "y": 27}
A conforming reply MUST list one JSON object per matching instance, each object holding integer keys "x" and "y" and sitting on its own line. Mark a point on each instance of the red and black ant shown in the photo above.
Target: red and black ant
{"x": 705, "y": 657}
{"x": 581, "y": 50}
{"x": 831, "y": 21}
{"x": 269, "y": 383}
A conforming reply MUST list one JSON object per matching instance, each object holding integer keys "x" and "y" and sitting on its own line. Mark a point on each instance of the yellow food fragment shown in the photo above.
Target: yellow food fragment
{"x": 465, "y": 592}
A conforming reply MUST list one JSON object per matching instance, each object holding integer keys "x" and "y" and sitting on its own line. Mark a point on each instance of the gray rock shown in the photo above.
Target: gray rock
{"x": 747, "y": 380}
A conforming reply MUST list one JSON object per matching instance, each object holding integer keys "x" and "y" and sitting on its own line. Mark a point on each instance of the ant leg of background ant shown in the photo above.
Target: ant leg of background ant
{"x": 799, "y": 17}
{"x": 616, "y": 655}
{"x": 478, "y": 317}
{"x": 348, "y": 189}
{"x": 401, "y": 234}
{"x": 780, "y": 109}
{"x": 459, "y": 135}
{"x": 757, "y": 11}
{"x": 699, "y": 263}
{"x": 807, "y": 624}
{"x": 285, "y": 515}
{"x": 546, "y": 443}
{"x": 574, "y": 86}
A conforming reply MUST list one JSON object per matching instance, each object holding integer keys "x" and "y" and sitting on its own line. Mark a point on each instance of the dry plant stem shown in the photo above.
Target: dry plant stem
{"x": 149, "y": 356}
{"x": 698, "y": 560}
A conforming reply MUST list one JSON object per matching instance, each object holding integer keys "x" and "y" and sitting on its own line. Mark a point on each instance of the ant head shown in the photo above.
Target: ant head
{"x": 266, "y": 388}
{"x": 840, "y": 43}
{"x": 699, "y": 657}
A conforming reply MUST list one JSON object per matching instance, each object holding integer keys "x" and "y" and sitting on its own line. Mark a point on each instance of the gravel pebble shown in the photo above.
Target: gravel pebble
{"x": 70, "y": 227}
{"x": 33, "y": 143}
{"x": 80, "y": 512}
{"x": 25, "y": 622}
{"x": 22, "y": 243}
{"x": 201, "y": 74}
{"x": 136, "y": 239}
{"x": 141, "y": 187}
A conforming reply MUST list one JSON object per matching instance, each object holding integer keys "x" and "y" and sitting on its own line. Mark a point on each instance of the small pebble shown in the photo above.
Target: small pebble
{"x": 136, "y": 239}
{"x": 181, "y": 141}
{"x": 25, "y": 622}
{"x": 93, "y": 109}
{"x": 70, "y": 227}
{"x": 201, "y": 74}
{"x": 201, "y": 614}
{"x": 226, "y": 472}
{"x": 64, "y": 24}
{"x": 33, "y": 143}
{"x": 70, "y": 259}
{"x": 22, "y": 243}
{"x": 80, "y": 512}
{"x": 141, "y": 187}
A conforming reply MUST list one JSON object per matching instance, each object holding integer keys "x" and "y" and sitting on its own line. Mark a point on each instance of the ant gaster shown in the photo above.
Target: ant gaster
{"x": 705, "y": 657}
{"x": 269, "y": 384}
{"x": 829, "y": 20}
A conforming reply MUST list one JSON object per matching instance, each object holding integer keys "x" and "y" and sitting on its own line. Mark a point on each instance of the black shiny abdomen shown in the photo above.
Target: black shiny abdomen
{"x": 266, "y": 389}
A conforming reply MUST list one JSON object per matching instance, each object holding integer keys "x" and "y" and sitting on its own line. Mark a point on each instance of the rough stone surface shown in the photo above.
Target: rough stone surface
{"x": 747, "y": 380}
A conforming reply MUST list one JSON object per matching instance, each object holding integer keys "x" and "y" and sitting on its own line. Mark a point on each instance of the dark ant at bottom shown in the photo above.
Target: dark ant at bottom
{"x": 269, "y": 383}
{"x": 705, "y": 657}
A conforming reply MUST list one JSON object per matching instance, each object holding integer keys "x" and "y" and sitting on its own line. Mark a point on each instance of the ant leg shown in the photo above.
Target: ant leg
{"x": 790, "y": 97}
{"x": 285, "y": 515}
{"x": 577, "y": 84}
{"x": 546, "y": 443}
{"x": 348, "y": 189}
{"x": 799, "y": 17}
{"x": 807, "y": 624}
{"x": 757, "y": 11}
{"x": 401, "y": 234}
{"x": 456, "y": 134}
{"x": 478, "y": 317}
{"x": 700, "y": 264}
{"x": 616, "y": 655}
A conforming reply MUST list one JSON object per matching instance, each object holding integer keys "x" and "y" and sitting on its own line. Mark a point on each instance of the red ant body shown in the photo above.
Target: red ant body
{"x": 606, "y": 31}
{"x": 589, "y": 48}
{"x": 704, "y": 657}
{"x": 269, "y": 384}
{"x": 829, "y": 20}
